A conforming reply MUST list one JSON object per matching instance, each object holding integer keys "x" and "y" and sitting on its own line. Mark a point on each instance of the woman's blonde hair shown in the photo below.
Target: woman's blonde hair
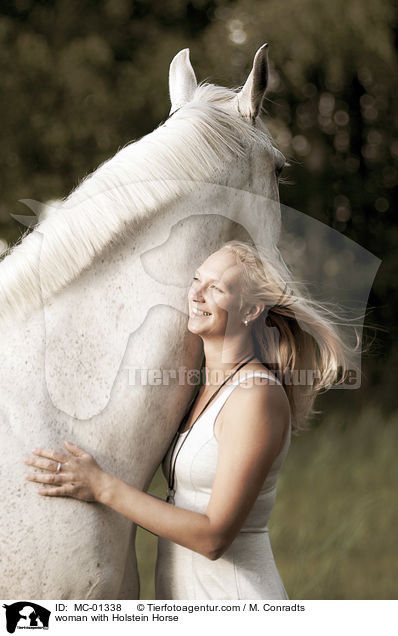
{"x": 295, "y": 335}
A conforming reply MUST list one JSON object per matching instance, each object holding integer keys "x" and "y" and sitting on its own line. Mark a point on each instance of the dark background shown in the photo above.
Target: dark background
{"x": 80, "y": 79}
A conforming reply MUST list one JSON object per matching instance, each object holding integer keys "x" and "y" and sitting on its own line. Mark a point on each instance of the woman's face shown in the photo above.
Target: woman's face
{"x": 214, "y": 296}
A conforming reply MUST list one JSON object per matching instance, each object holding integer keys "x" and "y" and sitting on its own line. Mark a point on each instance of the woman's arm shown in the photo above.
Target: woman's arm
{"x": 82, "y": 478}
{"x": 249, "y": 442}
{"x": 254, "y": 425}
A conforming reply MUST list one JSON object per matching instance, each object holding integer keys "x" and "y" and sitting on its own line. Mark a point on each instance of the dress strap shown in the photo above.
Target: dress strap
{"x": 222, "y": 398}
{"x": 256, "y": 374}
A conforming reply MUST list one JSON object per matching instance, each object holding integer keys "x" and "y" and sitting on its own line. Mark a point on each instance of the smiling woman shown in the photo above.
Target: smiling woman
{"x": 213, "y": 294}
{"x": 223, "y": 464}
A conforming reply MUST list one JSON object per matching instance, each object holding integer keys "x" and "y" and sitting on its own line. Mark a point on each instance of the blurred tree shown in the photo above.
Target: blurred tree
{"x": 80, "y": 79}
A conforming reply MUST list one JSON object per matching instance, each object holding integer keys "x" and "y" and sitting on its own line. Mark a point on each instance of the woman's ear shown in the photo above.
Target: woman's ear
{"x": 254, "y": 312}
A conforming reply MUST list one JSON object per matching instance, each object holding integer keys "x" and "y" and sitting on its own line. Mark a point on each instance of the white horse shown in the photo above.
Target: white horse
{"x": 98, "y": 290}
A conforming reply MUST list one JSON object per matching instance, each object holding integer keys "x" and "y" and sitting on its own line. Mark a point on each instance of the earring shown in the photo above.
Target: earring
{"x": 245, "y": 322}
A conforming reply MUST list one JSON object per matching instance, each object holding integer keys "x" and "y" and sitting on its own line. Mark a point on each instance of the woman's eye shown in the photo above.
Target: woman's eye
{"x": 215, "y": 287}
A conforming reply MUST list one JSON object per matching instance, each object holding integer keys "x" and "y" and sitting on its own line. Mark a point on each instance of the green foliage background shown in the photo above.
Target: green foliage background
{"x": 79, "y": 79}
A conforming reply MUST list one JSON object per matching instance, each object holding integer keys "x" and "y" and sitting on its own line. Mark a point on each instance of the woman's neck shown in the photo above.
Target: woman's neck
{"x": 223, "y": 355}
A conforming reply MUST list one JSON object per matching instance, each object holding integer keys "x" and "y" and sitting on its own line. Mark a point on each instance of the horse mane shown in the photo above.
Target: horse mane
{"x": 140, "y": 178}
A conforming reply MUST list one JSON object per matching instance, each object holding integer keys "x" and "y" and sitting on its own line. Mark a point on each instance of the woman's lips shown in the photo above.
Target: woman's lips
{"x": 199, "y": 313}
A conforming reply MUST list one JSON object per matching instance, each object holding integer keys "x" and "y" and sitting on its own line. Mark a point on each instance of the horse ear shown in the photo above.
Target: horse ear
{"x": 252, "y": 94}
{"x": 182, "y": 80}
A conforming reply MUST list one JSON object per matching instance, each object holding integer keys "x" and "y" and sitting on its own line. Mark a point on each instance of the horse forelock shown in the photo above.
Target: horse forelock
{"x": 138, "y": 180}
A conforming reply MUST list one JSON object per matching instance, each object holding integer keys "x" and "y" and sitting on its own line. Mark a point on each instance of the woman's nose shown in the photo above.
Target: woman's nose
{"x": 197, "y": 297}
{"x": 197, "y": 292}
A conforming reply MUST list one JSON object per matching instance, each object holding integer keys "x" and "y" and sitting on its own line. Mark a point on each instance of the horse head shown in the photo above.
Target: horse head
{"x": 213, "y": 157}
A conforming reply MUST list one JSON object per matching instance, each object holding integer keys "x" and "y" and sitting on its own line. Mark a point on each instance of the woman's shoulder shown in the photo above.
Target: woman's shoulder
{"x": 252, "y": 391}
{"x": 264, "y": 404}
{"x": 250, "y": 374}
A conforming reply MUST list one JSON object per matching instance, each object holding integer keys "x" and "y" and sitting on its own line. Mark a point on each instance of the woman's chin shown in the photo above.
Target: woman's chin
{"x": 193, "y": 327}
{"x": 197, "y": 325}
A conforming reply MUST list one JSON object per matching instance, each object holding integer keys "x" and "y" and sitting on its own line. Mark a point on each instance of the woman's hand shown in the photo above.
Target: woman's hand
{"x": 76, "y": 474}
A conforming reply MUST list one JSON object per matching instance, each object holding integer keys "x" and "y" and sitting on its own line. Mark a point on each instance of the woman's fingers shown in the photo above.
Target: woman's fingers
{"x": 66, "y": 491}
{"x": 75, "y": 450}
{"x": 44, "y": 478}
{"x": 49, "y": 453}
{"x": 44, "y": 464}
{"x": 54, "y": 456}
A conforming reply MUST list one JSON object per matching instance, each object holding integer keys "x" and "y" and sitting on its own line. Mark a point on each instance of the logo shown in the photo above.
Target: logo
{"x": 26, "y": 615}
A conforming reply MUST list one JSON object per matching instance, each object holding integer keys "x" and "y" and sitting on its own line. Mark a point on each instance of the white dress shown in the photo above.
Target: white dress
{"x": 247, "y": 569}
